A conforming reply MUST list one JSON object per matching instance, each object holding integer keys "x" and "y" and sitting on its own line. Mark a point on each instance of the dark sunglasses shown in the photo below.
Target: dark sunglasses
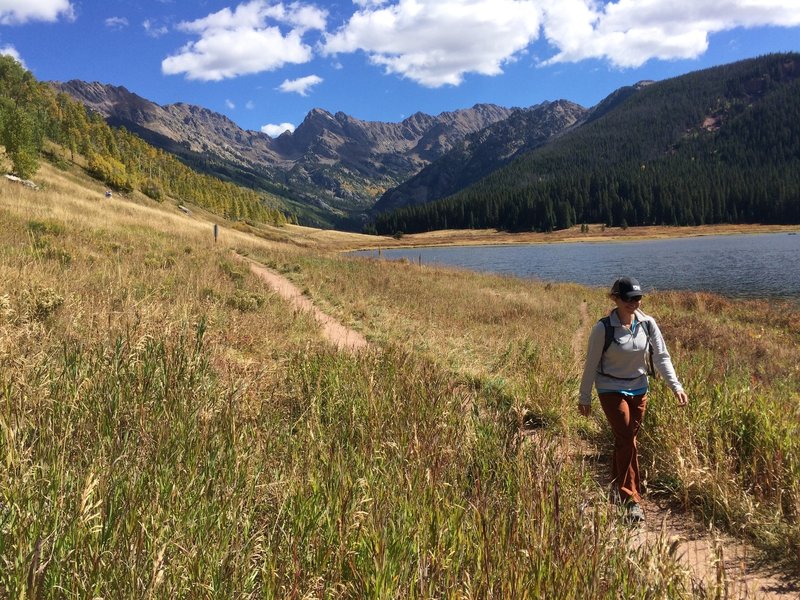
{"x": 634, "y": 299}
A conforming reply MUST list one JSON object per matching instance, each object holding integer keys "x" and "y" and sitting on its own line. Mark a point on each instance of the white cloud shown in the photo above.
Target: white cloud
{"x": 116, "y": 22}
{"x": 302, "y": 16}
{"x": 154, "y": 29}
{"x": 14, "y": 12}
{"x": 300, "y": 86}
{"x": 9, "y": 50}
{"x": 244, "y": 41}
{"x": 274, "y": 131}
{"x": 250, "y": 105}
{"x": 438, "y": 42}
{"x": 229, "y": 104}
{"x": 628, "y": 33}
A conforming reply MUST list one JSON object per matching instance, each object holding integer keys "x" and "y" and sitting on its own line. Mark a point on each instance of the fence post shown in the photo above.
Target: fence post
{"x": 216, "y": 232}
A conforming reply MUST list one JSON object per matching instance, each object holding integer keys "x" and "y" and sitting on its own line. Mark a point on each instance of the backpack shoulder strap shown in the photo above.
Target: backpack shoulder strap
{"x": 606, "y": 321}
{"x": 609, "y": 339}
{"x": 648, "y": 329}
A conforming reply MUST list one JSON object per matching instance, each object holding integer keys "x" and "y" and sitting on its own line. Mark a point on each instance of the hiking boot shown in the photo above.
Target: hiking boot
{"x": 634, "y": 514}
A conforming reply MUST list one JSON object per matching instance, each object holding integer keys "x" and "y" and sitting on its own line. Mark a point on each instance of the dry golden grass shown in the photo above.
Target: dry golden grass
{"x": 169, "y": 426}
{"x": 131, "y": 263}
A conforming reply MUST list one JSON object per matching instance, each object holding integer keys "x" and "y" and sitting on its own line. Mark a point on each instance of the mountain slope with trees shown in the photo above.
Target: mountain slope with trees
{"x": 483, "y": 152}
{"x": 718, "y": 145}
{"x": 35, "y": 120}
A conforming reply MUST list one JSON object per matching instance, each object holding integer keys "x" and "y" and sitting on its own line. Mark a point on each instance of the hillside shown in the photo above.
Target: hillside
{"x": 714, "y": 146}
{"x": 36, "y": 123}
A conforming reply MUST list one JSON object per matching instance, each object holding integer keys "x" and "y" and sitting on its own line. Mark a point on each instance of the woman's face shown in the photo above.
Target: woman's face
{"x": 628, "y": 306}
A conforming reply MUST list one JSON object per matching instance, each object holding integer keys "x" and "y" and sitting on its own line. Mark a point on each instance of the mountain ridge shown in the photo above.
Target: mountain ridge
{"x": 540, "y": 167}
{"x": 334, "y": 163}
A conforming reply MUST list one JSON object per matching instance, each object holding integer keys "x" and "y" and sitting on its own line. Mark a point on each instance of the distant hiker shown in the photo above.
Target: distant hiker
{"x": 620, "y": 346}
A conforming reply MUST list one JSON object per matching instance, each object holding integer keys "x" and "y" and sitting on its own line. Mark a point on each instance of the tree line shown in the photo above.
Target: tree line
{"x": 35, "y": 120}
{"x": 715, "y": 146}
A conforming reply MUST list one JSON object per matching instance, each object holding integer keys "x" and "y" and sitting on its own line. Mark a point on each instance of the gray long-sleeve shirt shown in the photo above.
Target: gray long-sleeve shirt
{"x": 625, "y": 358}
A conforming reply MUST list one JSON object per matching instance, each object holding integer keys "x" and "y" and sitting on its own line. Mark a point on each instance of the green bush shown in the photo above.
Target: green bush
{"x": 245, "y": 301}
{"x": 40, "y": 303}
{"x": 152, "y": 189}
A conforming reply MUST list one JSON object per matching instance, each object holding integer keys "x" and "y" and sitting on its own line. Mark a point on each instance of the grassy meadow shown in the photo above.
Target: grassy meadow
{"x": 169, "y": 427}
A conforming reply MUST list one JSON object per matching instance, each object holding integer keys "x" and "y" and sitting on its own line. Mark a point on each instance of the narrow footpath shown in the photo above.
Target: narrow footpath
{"x": 714, "y": 559}
{"x": 337, "y": 334}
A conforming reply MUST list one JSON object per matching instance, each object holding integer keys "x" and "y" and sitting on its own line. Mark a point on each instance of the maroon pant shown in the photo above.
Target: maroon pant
{"x": 625, "y": 414}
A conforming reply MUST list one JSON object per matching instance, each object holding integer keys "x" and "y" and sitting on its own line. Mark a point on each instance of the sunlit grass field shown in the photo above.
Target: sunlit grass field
{"x": 169, "y": 427}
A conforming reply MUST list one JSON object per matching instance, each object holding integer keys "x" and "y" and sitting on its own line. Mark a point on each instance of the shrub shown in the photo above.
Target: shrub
{"x": 40, "y": 303}
{"x": 152, "y": 189}
{"x": 231, "y": 271}
{"x": 245, "y": 301}
{"x": 38, "y": 228}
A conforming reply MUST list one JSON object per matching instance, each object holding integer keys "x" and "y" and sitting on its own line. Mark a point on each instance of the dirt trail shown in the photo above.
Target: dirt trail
{"x": 333, "y": 331}
{"x": 580, "y": 335}
{"x": 716, "y": 559}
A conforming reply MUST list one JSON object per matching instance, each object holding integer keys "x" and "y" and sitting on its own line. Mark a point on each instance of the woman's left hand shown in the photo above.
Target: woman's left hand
{"x": 683, "y": 398}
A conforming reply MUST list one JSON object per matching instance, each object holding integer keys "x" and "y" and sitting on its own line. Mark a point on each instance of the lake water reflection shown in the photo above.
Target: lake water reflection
{"x": 759, "y": 265}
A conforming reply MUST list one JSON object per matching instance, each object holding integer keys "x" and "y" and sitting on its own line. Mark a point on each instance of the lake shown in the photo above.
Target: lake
{"x": 756, "y": 265}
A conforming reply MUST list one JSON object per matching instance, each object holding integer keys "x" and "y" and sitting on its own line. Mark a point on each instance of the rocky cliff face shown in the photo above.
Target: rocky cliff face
{"x": 333, "y": 161}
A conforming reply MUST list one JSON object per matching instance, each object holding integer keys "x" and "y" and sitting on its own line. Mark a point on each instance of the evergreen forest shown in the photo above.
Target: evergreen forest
{"x": 36, "y": 122}
{"x": 720, "y": 145}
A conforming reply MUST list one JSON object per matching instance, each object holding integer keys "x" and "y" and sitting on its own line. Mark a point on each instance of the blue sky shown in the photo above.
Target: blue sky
{"x": 265, "y": 64}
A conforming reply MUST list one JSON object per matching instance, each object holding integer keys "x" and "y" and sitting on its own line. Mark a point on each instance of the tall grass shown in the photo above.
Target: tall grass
{"x": 735, "y": 455}
{"x": 130, "y": 471}
{"x": 169, "y": 427}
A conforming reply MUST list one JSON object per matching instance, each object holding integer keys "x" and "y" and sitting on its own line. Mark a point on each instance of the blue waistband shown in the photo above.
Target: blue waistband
{"x": 636, "y": 392}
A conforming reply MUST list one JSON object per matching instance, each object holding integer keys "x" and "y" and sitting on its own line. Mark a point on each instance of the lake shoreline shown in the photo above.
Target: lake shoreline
{"x": 597, "y": 234}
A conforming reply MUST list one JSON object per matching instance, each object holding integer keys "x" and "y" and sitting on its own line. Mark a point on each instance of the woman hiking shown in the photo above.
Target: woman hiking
{"x": 620, "y": 346}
